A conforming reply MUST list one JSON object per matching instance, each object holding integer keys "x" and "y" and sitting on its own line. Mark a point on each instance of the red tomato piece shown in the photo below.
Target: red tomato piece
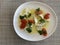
{"x": 43, "y": 28}
{"x": 46, "y": 16}
{"x": 31, "y": 21}
{"x": 23, "y": 23}
{"x": 44, "y": 32}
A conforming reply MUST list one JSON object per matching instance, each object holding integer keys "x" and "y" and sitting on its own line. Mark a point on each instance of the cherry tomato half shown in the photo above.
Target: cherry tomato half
{"x": 44, "y": 32}
{"x": 46, "y": 16}
{"x": 31, "y": 21}
{"x": 23, "y": 23}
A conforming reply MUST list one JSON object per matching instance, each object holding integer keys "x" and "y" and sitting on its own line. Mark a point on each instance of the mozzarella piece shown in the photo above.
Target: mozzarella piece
{"x": 41, "y": 15}
{"x": 35, "y": 20}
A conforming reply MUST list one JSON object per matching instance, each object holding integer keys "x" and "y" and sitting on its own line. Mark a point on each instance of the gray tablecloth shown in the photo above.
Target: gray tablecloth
{"x": 7, "y": 33}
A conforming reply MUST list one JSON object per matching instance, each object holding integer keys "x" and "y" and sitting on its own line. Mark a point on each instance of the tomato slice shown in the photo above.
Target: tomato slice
{"x": 31, "y": 21}
{"x": 44, "y": 32}
{"x": 23, "y": 23}
{"x": 46, "y": 16}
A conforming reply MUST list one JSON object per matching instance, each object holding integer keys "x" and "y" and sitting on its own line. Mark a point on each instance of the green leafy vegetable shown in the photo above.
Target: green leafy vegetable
{"x": 29, "y": 14}
{"x": 42, "y": 21}
{"x": 40, "y": 17}
{"x": 29, "y": 30}
{"x": 24, "y": 15}
{"x": 38, "y": 9}
{"x": 40, "y": 32}
{"x": 21, "y": 17}
{"x": 29, "y": 24}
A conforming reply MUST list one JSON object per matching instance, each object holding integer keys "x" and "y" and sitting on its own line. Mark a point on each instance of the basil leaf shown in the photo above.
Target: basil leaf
{"x": 29, "y": 30}
{"x": 29, "y": 14}
{"x": 40, "y": 32}
{"x": 42, "y": 21}
{"x": 21, "y": 17}
{"x": 29, "y": 24}
{"x": 25, "y": 15}
{"x": 38, "y": 9}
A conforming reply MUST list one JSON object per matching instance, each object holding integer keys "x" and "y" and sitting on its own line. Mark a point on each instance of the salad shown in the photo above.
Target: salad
{"x": 34, "y": 20}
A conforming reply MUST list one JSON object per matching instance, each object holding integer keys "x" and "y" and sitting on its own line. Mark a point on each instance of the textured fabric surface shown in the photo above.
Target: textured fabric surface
{"x": 7, "y": 33}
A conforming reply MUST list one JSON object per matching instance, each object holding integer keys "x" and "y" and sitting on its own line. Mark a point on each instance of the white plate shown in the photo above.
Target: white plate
{"x": 34, "y": 37}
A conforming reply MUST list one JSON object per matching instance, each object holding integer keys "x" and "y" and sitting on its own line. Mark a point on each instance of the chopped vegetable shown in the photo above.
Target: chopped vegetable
{"x": 21, "y": 17}
{"x": 37, "y": 12}
{"x": 29, "y": 30}
{"x": 31, "y": 21}
{"x": 23, "y": 23}
{"x": 42, "y": 21}
{"x": 29, "y": 14}
{"x": 46, "y": 16}
{"x": 38, "y": 9}
{"x": 30, "y": 24}
{"x": 44, "y": 32}
{"x": 40, "y": 32}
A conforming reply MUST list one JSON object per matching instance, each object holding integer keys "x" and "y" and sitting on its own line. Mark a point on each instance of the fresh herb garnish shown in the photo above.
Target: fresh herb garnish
{"x": 42, "y": 21}
{"x": 29, "y": 14}
{"x": 29, "y": 30}
{"x": 24, "y": 15}
{"x": 40, "y": 32}
{"x": 38, "y": 9}
{"x": 29, "y": 24}
{"x": 21, "y": 17}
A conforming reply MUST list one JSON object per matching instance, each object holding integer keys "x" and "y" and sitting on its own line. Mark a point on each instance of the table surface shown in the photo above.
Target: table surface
{"x": 7, "y": 33}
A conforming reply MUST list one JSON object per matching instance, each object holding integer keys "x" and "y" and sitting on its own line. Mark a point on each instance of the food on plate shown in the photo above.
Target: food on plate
{"x": 34, "y": 20}
{"x": 38, "y": 11}
{"x": 42, "y": 32}
{"x": 23, "y": 23}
